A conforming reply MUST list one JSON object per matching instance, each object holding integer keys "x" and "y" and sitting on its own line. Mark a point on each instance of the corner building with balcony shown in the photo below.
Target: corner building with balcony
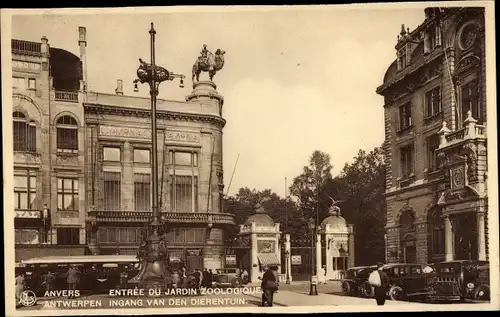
{"x": 435, "y": 140}
{"x": 99, "y": 162}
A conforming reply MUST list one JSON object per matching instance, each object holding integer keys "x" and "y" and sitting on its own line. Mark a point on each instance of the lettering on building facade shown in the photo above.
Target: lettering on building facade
{"x": 26, "y": 66}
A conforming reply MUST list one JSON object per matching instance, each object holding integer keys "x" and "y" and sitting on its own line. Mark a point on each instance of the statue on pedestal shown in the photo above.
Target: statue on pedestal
{"x": 208, "y": 62}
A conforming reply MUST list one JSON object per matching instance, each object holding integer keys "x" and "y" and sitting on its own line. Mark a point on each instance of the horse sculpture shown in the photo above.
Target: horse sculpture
{"x": 210, "y": 63}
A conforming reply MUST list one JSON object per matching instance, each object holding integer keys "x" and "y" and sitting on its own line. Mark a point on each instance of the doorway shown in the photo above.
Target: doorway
{"x": 194, "y": 262}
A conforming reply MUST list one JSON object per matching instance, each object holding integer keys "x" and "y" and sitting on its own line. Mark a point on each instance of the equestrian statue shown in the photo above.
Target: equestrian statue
{"x": 208, "y": 62}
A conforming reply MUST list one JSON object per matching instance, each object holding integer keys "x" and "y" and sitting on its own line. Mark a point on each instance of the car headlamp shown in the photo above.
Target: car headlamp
{"x": 470, "y": 285}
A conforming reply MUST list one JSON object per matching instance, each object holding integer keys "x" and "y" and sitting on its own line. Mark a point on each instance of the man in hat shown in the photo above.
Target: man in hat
{"x": 381, "y": 285}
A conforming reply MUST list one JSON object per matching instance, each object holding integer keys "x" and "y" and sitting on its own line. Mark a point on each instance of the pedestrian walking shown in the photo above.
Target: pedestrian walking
{"x": 244, "y": 276}
{"x": 73, "y": 278}
{"x": 49, "y": 281}
{"x": 269, "y": 285}
{"x": 380, "y": 281}
{"x": 19, "y": 287}
{"x": 210, "y": 278}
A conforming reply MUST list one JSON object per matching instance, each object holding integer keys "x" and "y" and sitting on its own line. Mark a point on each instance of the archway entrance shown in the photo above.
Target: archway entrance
{"x": 409, "y": 248}
{"x": 465, "y": 229}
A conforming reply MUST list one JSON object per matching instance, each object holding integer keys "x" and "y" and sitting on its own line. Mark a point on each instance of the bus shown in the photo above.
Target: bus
{"x": 98, "y": 273}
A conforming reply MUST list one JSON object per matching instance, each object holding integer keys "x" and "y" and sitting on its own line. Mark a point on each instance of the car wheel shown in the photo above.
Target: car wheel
{"x": 236, "y": 282}
{"x": 482, "y": 292}
{"x": 366, "y": 290}
{"x": 396, "y": 293}
{"x": 346, "y": 288}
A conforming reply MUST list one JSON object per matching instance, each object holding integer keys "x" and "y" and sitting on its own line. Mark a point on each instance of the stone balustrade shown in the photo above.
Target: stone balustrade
{"x": 66, "y": 96}
{"x": 168, "y": 217}
{"x": 470, "y": 131}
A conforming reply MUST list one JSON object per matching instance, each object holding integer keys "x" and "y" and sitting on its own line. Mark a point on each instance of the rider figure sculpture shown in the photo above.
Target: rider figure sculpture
{"x": 204, "y": 52}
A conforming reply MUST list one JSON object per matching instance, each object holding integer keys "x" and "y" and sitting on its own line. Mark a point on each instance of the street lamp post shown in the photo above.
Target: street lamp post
{"x": 154, "y": 270}
{"x": 287, "y": 257}
{"x": 313, "y": 282}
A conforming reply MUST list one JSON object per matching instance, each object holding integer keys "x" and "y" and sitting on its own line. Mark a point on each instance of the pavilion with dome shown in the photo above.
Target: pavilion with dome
{"x": 339, "y": 240}
{"x": 264, "y": 236}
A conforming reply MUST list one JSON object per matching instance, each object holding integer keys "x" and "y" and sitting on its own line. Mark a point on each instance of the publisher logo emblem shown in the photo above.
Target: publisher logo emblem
{"x": 28, "y": 298}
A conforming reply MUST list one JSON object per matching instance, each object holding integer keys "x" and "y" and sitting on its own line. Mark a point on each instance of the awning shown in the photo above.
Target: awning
{"x": 268, "y": 259}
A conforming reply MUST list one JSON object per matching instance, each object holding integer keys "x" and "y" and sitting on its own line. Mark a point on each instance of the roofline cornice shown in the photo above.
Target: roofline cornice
{"x": 161, "y": 114}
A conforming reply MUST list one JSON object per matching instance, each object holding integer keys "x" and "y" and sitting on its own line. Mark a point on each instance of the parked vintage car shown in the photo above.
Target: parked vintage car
{"x": 405, "y": 280}
{"x": 355, "y": 280}
{"x": 461, "y": 280}
{"x": 227, "y": 277}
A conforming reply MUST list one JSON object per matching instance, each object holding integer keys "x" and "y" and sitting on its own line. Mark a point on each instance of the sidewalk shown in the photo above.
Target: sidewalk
{"x": 289, "y": 298}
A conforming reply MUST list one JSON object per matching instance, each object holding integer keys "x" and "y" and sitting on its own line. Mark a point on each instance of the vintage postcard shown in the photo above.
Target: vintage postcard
{"x": 163, "y": 160}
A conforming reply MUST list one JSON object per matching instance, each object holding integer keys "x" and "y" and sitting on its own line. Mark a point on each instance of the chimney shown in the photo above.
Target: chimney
{"x": 82, "y": 43}
{"x": 45, "y": 50}
{"x": 119, "y": 87}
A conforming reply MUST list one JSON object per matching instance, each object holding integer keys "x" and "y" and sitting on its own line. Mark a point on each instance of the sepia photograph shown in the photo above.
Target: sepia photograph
{"x": 175, "y": 160}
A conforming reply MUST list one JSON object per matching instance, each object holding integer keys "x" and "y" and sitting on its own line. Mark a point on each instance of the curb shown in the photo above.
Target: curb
{"x": 274, "y": 302}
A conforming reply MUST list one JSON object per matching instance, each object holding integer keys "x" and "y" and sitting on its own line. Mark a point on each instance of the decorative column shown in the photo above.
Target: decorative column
{"x": 329, "y": 255}
{"x": 448, "y": 233}
{"x": 318, "y": 254}
{"x": 351, "y": 258}
{"x": 277, "y": 251}
{"x": 288, "y": 253}
{"x": 254, "y": 270}
{"x": 481, "y": 239}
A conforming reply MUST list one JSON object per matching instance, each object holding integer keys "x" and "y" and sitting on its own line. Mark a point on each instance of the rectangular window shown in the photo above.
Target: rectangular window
{"x": 406, "y": 161}
{"x": 24, "y": 189}
{"x": 19, "y": 82}
{"x": 142, "y": 190}
{"x": 184, "y": 189}
{"x": 67, "y": 194}
{"x": 432, "y": 146}
{"x": 469, "y": 100}
{"x": 402, "y": 58}
{"x": 142, "y": 156}
{"x": 433, "y": 101}
{"x": 111, "y": 154}
{"x": 404, "y": 116}
{"x": 112, "y": 190}
{"x": 183, "y": 158}
{"x": 68, "y": 236}
{"x": 32, "y": 83}
{"x": 27, "y": 236}
{"x": 432, "y": 38}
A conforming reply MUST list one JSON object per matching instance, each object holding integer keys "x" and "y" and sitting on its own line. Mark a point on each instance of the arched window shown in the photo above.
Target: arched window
{"x": 407, "y": 222}
{"x": 436, "y": 235}
{"x": 67, "y": 135}
{"x": 24, "y": 133}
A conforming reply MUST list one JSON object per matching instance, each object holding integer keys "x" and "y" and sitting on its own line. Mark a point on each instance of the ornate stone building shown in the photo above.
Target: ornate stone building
{"x": 99, "y": 161}
{"x": 435, "y": 140}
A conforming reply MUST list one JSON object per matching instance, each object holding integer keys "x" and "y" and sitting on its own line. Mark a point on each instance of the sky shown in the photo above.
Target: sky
{"x": 294, "y": 81}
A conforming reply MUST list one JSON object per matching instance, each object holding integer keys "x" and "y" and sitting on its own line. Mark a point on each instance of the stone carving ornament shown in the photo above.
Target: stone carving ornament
{"x": 467, "y": 36}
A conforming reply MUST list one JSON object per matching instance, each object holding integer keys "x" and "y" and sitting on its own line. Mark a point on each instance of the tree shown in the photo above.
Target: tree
{"x": 309, "y": 187}
{"x": 361, "y": 185}
{"x": 282, "y": 211}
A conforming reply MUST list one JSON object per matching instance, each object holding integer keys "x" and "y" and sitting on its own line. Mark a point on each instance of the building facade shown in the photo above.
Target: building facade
{"x": 88, "y": 154}
{"x": 435, "y": 140}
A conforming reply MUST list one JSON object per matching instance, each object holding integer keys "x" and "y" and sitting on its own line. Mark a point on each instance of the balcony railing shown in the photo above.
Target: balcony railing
{"x": 470, "y": 131}
{"x": 67, "y": 96}
{"x": 26, "y": 48}
{"x": 168, "y": 217}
